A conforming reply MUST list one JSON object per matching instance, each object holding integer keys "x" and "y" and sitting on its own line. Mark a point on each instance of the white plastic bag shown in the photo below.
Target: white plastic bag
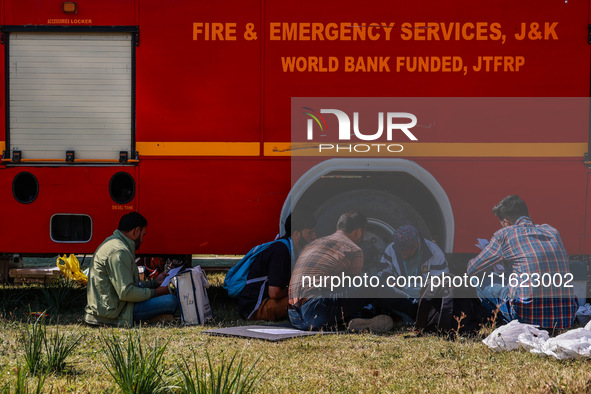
{"x": 571, "y": 344}
{"x": 191, "y": 286}
{"x": 515, "y": 335}
{"x": 583, "y": 314}
{"x": 529, "y": 341}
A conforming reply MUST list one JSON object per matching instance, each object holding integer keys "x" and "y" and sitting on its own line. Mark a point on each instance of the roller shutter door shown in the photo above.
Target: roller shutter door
{"x": 70, "y": 91}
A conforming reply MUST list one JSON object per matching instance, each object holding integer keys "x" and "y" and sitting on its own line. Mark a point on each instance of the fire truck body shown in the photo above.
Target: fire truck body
{"x": 203, "y": 93}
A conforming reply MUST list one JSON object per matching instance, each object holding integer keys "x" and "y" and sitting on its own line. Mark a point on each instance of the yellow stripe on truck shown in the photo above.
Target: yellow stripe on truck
{"x": 326, "y": 149}
{"x": 198, "y": 148}
{"x": 427, "y": 149}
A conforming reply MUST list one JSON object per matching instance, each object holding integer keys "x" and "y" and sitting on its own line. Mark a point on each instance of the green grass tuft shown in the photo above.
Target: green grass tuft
{"x": 58, "y": 348}
{"x": 21, "y": 385}
{"x": 134, "y": 369}
{"x": 45, "y": 352}
{"x": 224, "y": 379}
{"x": 392, "y": 362}
{"x": 33, "y": 337}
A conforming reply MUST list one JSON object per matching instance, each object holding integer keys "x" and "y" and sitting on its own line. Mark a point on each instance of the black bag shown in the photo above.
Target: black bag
{"x": 440, "y": 307}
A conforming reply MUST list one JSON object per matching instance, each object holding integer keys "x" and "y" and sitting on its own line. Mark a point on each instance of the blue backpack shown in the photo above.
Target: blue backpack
{"x": 237, "y": 276}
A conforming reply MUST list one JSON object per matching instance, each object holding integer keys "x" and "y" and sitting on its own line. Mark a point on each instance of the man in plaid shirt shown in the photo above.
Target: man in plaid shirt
{"x": 313, "y": 305}
{"x": 531, "y": 255}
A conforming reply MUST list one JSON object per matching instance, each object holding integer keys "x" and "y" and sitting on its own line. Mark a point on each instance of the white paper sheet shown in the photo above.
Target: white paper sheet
{"x": 171, "y": 274}
{"x": 274, "y": 331}
{"x": 481, "y": 243}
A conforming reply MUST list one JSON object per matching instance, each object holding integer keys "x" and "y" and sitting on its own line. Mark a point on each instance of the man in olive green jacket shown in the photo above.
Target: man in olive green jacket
{"x": 115, "y": 295}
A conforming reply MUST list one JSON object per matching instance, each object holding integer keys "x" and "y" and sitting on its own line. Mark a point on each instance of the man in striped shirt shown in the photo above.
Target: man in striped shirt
{"x": 530, "y": 255}
{"x": 313, "y": 304}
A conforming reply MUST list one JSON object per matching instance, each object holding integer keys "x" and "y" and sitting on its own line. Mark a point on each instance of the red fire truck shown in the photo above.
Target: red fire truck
{"x": 208, "y": 118}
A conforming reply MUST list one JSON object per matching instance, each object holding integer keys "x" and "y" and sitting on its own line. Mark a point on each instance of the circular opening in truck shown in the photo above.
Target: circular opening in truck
{"x": 25, "y": 187}
{"x": 122, "y": 188}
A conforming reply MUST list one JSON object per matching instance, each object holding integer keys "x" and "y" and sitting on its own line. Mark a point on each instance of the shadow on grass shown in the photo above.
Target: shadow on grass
{"x": 65, "y": 302}
{"x": 61, "y": 300}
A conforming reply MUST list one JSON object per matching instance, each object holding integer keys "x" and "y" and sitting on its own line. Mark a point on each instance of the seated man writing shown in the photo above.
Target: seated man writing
{"x": 527, "y": 251}
{"x": 115, "y": 295}
{"x": 313, "y": 304}
{"x": 267, "y": 300}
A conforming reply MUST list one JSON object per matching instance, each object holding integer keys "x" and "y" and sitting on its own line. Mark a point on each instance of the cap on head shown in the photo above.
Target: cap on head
{"x": 405, "y": 238}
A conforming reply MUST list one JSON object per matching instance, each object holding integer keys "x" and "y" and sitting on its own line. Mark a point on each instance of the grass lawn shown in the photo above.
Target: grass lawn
{"x": 398, "y": 361}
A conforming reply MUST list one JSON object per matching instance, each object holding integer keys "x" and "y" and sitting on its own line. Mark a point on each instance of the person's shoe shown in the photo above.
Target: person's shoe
{"x": 380, "y": 323}
{"x": 164, "y": 318}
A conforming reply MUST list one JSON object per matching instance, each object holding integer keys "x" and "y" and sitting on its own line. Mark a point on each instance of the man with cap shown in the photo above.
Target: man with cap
{"x": 409, "y": 255}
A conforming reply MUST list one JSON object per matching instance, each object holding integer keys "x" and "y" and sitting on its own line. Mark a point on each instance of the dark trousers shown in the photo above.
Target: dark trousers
{"x": 325, "y": 313}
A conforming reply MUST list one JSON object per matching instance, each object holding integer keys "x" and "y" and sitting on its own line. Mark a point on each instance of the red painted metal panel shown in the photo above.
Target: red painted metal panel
{"x": 88, "y": 13}
{"x": 202, "y": 89}
{"x": 211, "y": 205}
{"x": 70, "y": 189}
{"x": 228, "y": 90}
{"x": 553, "y": 68}
{"x": 551, "y": 189}
{"x": 222, "y": 206}
{"x": 2, "y": 90}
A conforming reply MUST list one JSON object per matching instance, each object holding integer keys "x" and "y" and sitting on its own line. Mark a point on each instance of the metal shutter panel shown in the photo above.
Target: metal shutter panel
{"x": 70, "y": 91}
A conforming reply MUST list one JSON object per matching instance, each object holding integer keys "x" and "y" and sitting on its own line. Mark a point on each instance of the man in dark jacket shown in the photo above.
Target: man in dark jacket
{"x": 266, "y": 298}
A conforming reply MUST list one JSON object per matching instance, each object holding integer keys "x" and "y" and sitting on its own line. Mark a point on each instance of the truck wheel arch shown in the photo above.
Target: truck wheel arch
{"x": 361, "y": 166}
